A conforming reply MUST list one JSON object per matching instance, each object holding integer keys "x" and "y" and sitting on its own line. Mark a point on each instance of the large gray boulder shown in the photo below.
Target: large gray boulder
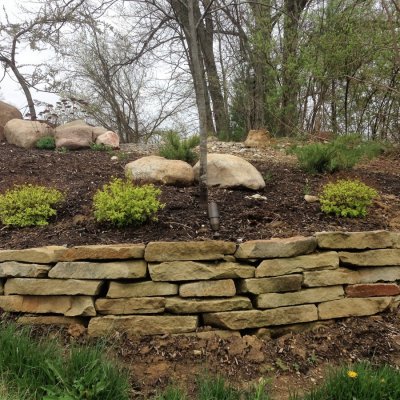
{"x": 155, "y": 169}
{"x": 24, "y": 133}
{"x": 7, "y": 113}
{"x": 229, "y": 171}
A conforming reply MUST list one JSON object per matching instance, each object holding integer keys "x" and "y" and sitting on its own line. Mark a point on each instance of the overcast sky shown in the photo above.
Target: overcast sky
{"x": 10, "y": 91}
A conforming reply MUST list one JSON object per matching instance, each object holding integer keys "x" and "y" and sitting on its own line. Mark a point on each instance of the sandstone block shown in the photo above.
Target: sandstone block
{"x": 132, "y": 305}
{"x": 192, "y": 251}
{"x": 70, "y": 306}
{"x": 371, "y": 258}
{"x": 177, "y": 305}
{"x": 141, "y": 289}
{"x": 139, "y": 325}
{"x": 99, "y": 270}
{"x": 191, "y": 270}
{"x": 285, "y": 266}
{"x": 354, "y": 240}
{"x": 57, "y": 320}
{"x": 344, "y": 276}
{"x": 23, "y": 270}
{"x": 222, "y": 288}
{"x": 373, "y": 290}
{"x": 353, "y": 307}
{"x": 104, "y": 252}
{"x": 285, "y": 283}
{"x": 318, "y": 295}
{"x": 40, "y": 255}
{"x": 276, "y": 248}
{"x": 49, "y": 287}
{"x": 238, "y": 320}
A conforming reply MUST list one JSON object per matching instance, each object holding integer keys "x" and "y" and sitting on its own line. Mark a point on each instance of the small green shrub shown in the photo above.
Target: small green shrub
{"x": 28, "y": 205}
{"x": 347, "y": 198}
{"x": 121, "y": 203}
{"x": 176, "y": 148}
{"x": 46, "y": 143}
{"x": 342, "y": 153}
{"x": 100, "y": 147}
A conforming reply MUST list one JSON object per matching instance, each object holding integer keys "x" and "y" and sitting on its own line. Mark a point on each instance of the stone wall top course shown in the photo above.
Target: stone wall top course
{"x": 285, "y": 266}
{"x": 40, "y": 255}
{"x": 276, "y": 248}
{"x": 188, "y": 251}
{"x": 192, "y": 270}
{"x": 50, "y": 287}
{"x": 238, "y": 320}
{"x": 132, "y": 269}
{"x": 371, "y": 258}
{"x": 355, "y": 240}
{"x": 103, "y": 252}
{"x": 16, "y": 269}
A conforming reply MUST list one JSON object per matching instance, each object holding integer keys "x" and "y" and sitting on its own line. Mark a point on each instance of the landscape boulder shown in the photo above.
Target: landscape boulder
{"x": 97, "y": 131}
{"x": 229, "y": 171}
{"x": 74, "y": 135}
{"x": 257, "y": 138}
{"x": 7, "y": 113}
{"x": 108, "y": 138}
{"x": 155, "y": 169}
{"x": 25, "y": 134}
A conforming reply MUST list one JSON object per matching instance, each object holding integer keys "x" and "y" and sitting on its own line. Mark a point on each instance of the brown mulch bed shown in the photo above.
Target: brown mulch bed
{"x": 284, "y": 213}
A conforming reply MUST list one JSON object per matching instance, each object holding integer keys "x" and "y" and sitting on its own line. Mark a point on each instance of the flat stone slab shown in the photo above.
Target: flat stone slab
{"x": 372, "y": 290}
{"x": 188, "y": 251}
{"x": 344, "y": 276}
{"x": 191, "y": 271}
{"x": 354, "y": 240}
{"x": 318, "y": 295}
{"x": 16, "y": 269}
{"x": 238, "y": 320}
{"x": 371, "y": 258}
{"x": 276, "y": 248}
{"x": 99, "y": 270}
{"x": 50, "y": 287}
{"x": 285, "y": 266}
{"x": 70, "y": 306}
{"x": 285, "y": 283}
{"x": 141, "y": 289}
{"x": 353, "y": 307}
{"x": 140, "y": 325}
{"x": 132, "y": 305}
{"x": 177, "y": 305}
{"x": 221, "y": 288}
{"x": 104, "y": 252}
{"x": 40, "y": 255}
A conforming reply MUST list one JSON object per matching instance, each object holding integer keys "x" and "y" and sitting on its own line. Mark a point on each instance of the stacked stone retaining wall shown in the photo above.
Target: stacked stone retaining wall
{"x": 183, "y": 287}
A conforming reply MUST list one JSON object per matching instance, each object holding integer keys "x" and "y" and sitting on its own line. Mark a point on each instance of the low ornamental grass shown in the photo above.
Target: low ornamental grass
{"x": 361, "y": 381}
{"x": 33, "y": 370}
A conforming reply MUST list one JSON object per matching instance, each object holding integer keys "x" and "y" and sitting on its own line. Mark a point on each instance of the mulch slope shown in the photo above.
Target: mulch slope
{"x": 284, "y": 213}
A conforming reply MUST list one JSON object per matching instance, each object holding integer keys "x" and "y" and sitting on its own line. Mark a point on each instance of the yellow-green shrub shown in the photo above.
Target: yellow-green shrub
{"x": 121, "y": 203}
{"x": 347, "y": 198}
{"x": 28, "y": 205}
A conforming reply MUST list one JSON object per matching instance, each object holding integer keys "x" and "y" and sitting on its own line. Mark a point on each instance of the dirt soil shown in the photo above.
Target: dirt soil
{"x": 284, "y": 212}
{"x": 289, "y": 362}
